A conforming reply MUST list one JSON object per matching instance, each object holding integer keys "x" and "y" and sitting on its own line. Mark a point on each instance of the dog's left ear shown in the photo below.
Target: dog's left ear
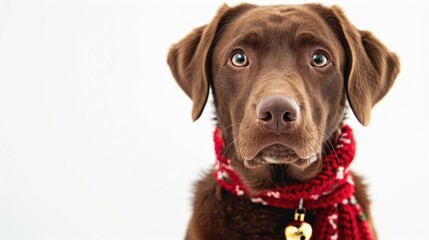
{"x": 370, "y": 69}
{"x": 189, "y": 59}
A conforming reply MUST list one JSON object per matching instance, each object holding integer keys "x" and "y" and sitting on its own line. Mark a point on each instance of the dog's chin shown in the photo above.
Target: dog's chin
{"x": 281, "y": 154}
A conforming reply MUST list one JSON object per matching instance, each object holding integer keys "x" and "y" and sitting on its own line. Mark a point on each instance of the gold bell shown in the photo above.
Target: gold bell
{"x": 298, "y": 229}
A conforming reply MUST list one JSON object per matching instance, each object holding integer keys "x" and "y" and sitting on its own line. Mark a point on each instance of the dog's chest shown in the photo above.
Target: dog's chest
{"x": 224, "y": 216}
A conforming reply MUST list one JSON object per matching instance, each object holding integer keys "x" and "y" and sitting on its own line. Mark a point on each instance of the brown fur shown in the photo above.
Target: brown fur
{"x": 279, "y": 42}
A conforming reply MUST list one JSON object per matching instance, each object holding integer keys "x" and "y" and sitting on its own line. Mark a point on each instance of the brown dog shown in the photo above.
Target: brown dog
{"x": 281, "y": 77}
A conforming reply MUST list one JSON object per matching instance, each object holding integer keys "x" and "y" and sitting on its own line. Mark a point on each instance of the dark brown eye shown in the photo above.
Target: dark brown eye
{"x": 319, "y": 60}
{"x": 239, "y": 59}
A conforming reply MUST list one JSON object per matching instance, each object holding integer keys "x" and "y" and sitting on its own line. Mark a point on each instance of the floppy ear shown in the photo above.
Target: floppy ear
{"x": 370, "y": 69}
{"x": 189, "y": 59}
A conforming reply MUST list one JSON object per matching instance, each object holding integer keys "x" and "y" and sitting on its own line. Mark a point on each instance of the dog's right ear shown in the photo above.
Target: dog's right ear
{"x": 371, "y": 70}
{"x": 189, "y": 59}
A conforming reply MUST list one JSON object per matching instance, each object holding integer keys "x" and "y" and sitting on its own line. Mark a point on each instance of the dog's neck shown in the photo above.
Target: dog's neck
{"x": 269, "y": 176}
{"x": 339, "y": 157}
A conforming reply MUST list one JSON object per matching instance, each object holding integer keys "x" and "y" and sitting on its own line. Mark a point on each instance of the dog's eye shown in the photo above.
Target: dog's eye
{"x": 319, "y": 60}
{"x": 239, "y": 59}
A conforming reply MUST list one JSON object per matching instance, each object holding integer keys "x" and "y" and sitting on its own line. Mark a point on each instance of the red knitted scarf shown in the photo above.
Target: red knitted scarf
{"x": 331, "y": 193}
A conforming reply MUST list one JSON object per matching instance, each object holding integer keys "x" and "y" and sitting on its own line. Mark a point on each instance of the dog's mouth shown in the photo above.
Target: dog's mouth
{"x": 281, "y": 154}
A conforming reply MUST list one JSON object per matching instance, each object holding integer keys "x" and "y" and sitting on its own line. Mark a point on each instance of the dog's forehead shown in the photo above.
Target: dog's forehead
{"x": 283, "y": 19}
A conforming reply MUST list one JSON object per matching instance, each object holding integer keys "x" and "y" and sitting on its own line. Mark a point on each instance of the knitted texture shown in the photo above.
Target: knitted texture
{"x": 330, "y": 194}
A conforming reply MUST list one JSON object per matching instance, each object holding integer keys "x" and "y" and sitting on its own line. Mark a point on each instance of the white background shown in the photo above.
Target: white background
{"x": 96, "y": 138}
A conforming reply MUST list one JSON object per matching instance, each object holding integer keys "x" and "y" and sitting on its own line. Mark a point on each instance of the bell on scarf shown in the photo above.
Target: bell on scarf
{"x": 298, "y": 229}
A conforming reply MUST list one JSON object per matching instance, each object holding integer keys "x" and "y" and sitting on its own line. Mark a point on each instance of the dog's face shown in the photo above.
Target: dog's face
{"x": 277, "y": 76}
{"x": 280, "y": 78}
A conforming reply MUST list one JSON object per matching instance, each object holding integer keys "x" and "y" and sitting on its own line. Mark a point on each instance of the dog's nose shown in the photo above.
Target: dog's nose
{"x": 277, "y": 113}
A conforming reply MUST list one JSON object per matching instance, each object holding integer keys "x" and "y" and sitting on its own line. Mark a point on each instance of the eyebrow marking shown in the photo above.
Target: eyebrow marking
{"x": 308, "y": 38}
{"x": 252, "y": 39}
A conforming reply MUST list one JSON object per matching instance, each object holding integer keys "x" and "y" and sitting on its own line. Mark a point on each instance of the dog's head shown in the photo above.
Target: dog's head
{"x": 281, "y": 76}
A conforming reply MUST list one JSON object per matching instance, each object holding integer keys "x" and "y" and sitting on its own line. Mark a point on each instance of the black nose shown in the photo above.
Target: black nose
{"x": 277, "y": 113}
